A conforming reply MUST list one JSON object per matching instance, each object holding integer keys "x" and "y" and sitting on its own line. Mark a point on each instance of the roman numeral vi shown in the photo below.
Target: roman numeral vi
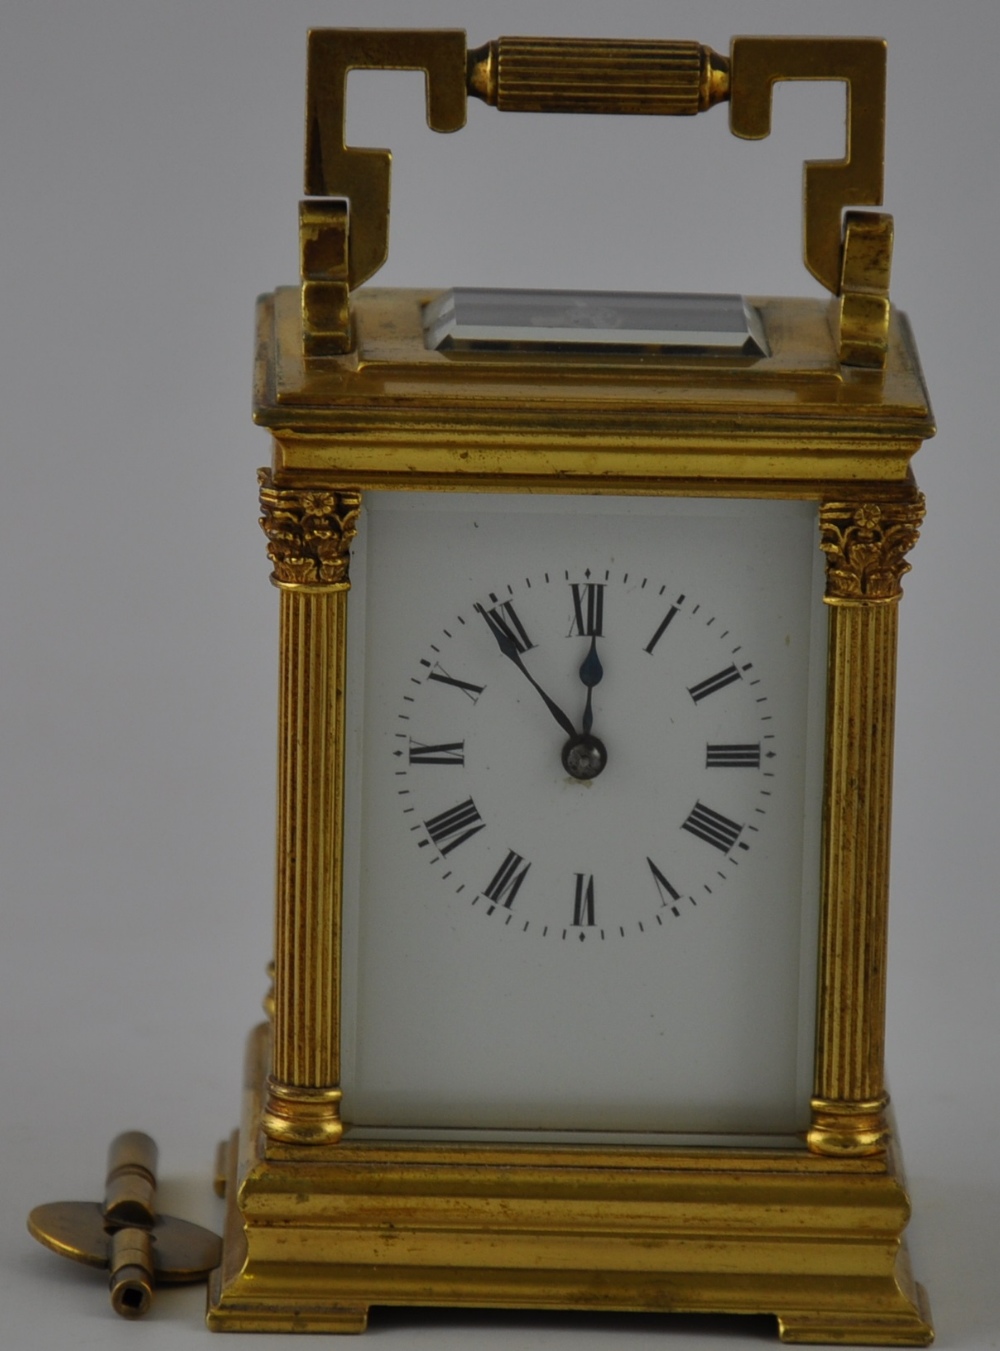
{"x": 583, "y": 900}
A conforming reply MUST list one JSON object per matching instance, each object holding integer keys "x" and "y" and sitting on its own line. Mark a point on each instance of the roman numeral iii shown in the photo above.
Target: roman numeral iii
{"x": 733, "y": 757}
{"x": 451, "y": 828}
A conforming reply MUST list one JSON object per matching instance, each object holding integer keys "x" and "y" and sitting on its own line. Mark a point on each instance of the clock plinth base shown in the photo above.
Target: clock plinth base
{"x": 314, "y": 1236}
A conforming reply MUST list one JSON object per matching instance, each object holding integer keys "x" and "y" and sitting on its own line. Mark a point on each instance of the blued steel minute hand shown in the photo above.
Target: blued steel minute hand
{"x": 510, "y": 650}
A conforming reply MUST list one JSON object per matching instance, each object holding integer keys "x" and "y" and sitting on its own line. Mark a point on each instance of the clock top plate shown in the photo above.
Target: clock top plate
{"x": 396, "y": 413}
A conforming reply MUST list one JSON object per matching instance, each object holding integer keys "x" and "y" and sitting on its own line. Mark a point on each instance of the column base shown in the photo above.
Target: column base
{"x": 848, "y": 1129}
{"x": 302, "y": 1116}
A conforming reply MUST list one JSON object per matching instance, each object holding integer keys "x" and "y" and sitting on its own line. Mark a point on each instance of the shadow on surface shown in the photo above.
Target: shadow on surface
{"x": 477, "y": 1323}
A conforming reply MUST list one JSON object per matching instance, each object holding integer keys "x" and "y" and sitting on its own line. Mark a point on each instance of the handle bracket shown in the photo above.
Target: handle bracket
{"x": 345, "y": 241}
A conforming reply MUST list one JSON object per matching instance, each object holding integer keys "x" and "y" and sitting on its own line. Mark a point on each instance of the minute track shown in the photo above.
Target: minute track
{"x": 668, "y": 721}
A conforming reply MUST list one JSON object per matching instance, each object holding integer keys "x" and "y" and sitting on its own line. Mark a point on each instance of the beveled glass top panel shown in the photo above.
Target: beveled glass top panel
{"x": 470, "y": 319}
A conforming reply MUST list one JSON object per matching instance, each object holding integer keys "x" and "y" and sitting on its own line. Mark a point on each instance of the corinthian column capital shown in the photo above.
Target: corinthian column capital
{"x": 866, "y": 544}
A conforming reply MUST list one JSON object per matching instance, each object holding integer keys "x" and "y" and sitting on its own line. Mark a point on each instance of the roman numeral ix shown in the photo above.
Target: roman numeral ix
{"x": 448, "y": 753}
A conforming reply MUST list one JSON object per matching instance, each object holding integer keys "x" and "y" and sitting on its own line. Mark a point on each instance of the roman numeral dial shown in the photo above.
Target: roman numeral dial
{"x": 585, "y": 754}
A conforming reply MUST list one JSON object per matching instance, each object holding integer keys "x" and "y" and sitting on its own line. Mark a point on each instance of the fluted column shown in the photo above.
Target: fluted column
{"x": 309, "y": 529}
{"x": 865, "y": 544}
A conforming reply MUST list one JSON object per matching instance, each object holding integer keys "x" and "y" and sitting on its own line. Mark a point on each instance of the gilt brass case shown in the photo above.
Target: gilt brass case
{"x": 321, "y": 1225}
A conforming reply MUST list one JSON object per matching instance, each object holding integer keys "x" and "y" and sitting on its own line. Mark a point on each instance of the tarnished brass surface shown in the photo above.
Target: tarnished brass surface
{"x": 575, "y": 75}
{"x": 182, "y": 1251}
{"x": 130, "y": 1186}
{"x": 392, "y": 410}
{"x": 865, "y": 545}
{"x": 132, "y": 1263}
{"x": 315, "y": 1238}
{"x": 309, "y": 531}
{"x": 320, "y": 1223}
{"x": 125, "y": 1234}
{"x": 864, "y": 288}
{"x": 758, "y": 63}
{"x": 597, "y": 75}
{"x": 366, "y": 1223}
{"x": 362, "y": 176}
{"x": 323, "y": 253}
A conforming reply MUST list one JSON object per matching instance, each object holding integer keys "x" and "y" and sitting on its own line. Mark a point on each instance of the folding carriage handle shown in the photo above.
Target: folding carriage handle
{"x": 345, "y": 241}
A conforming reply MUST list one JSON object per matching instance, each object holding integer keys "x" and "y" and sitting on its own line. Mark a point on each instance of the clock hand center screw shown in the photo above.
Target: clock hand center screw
{"x": 584, "y": 756}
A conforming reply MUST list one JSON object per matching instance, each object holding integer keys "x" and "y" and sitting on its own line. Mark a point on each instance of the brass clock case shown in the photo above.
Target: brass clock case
{"x": 320, "y": 1224}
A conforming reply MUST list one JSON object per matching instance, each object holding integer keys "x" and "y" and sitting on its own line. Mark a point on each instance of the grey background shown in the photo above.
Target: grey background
{"x": 149, "y": 173}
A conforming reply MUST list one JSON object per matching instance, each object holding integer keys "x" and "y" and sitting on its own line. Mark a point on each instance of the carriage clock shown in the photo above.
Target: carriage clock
{"x": 588, "y": 608}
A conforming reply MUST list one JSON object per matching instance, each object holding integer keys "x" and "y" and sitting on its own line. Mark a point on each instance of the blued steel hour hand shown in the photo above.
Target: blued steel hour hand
{"x": 510, "y": 650}
{"x": 585, "y": 756}
{"x": 591, "y": 673}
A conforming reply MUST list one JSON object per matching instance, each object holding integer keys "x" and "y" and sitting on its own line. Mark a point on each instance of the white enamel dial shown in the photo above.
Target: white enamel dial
{"x": 658, "y": 708}
{"x": 583, "y": 800}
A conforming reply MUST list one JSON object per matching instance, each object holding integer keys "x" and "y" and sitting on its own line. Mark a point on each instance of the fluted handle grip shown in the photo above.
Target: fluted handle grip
{"x": 594, "y": 75}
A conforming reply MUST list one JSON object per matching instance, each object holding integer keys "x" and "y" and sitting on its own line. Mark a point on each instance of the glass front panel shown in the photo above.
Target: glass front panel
{"x": 584, "y": 787}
